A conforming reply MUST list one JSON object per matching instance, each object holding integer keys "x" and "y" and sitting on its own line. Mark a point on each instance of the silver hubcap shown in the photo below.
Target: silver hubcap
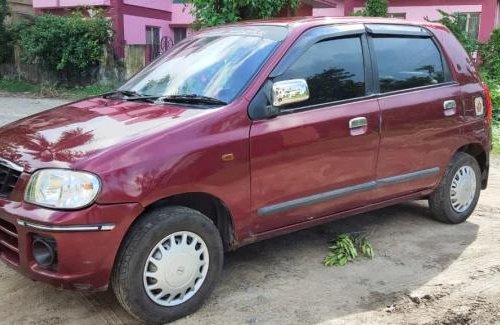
{"x": 463, "y": 189}
{"x": 176, "y": 268}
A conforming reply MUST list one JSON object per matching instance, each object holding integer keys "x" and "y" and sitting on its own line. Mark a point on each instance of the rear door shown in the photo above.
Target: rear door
{"x": 420, "y": 105}
{"x": 317, "y": 157}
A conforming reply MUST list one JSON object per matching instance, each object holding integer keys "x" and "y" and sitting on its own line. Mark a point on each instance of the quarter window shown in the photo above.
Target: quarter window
{"x": 333, "y": 69}
{"x": 405, "y": 63}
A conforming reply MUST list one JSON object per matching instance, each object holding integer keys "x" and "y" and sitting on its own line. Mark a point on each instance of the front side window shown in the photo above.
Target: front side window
{"x": 217, "y": 64}
{"x": 405, "y": 63}
{"x": 334, "y": 71}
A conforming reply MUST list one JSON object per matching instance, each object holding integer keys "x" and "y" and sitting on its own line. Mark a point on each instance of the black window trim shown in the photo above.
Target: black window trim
{"x": 372, "y": 85}
{"x": 369, "y": 81}
{"x": 449, "y": 79}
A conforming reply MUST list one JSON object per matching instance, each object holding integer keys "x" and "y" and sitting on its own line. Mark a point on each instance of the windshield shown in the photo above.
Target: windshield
{"x": 216, "y": 64}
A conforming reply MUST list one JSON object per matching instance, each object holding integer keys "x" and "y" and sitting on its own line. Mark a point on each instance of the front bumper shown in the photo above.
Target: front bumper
{"x": 87, "y": 241}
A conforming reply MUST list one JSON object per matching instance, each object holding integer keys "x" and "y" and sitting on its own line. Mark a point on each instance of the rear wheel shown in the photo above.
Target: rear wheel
{"x": 458, "y": 193}
{"x": 168, "y": 265}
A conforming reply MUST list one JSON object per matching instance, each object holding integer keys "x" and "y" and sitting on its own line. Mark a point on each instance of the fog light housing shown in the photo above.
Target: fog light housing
{"x": 44, "y": 251}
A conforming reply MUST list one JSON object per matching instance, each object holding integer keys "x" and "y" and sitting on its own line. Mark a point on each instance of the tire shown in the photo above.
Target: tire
{"x": 141, "y": 246}
{"x": 442, "y": 207}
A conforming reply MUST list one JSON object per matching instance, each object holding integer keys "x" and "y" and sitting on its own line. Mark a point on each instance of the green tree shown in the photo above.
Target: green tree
{"x": 490, "y": 54}
{"x": 216, "y": 12}
{"x": 374, "y": 8}
{"x": 5, "y": 37}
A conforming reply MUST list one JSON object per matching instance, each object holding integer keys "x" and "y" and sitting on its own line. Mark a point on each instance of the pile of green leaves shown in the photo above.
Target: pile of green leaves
{"x": 374, "y": 8}
{"x": 216, "y": 12}
{"x": 347, "y": 247}
{"x": 5, "y": 35}
{"x": 73, "y": 42}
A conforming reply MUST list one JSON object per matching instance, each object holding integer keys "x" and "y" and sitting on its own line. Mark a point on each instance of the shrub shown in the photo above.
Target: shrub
{"x": 494, "y": 85}
{"x": 490, "y": 55}
{"x": 65, "y": 43}
{"x": 456, "y": 24}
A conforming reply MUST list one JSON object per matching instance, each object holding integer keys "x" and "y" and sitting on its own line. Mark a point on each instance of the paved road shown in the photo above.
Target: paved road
{"x": 425, "y": 271}
{"x": 14, "y": 108}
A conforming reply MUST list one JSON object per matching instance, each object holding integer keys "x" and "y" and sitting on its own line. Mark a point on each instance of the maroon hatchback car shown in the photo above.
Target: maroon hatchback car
{"x": 238, "y": 134}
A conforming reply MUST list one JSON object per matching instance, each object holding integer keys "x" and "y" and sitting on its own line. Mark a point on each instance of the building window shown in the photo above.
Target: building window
{"x": 180, "y": 33}
{"x": 153, "y": 41}
{"x": 399, "y": 15}
{"x": 470, "y": 23}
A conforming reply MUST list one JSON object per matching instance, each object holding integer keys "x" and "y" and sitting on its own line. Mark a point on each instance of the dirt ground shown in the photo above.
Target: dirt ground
{"x": 424, "y": 272}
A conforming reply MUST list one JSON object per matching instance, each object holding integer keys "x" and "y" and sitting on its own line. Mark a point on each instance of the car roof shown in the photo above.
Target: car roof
{"x": 308, "y": 22}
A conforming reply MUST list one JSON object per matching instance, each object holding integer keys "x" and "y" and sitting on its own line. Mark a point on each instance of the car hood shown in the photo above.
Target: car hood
{"x": 67, "y": 135}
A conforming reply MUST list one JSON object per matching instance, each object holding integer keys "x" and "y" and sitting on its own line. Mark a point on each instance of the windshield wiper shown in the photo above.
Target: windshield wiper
{"x": 191, "y": 99}
{"x": 129, "y": 95}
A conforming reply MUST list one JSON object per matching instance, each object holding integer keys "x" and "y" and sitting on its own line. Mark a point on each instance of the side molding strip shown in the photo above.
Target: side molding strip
{"x": 330, "y": 195}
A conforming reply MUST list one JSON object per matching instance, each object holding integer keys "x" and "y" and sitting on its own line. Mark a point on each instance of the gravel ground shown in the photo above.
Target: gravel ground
{"x": 424, "y": 272}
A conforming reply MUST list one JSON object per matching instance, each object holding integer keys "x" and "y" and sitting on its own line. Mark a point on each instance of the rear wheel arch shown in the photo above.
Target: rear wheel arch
{"x": 479, "y": 153}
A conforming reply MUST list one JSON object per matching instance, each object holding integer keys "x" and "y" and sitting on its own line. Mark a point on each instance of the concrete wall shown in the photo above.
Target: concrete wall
{"x": 338, "y": 11}
{"x": 135, "y": 28}
{"x": 21, "y": 9}
{"x": 430, "y": 12}
{"x": 165, "y": 5}
{"x": 181, "y": 14}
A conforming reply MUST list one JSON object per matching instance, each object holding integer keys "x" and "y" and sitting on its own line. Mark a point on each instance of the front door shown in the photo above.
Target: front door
{"x": 317, "y": 157}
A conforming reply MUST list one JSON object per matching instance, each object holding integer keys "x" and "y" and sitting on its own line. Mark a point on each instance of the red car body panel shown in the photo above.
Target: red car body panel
{"x": 301, "y": 154}
{"x": 144, "y": 153}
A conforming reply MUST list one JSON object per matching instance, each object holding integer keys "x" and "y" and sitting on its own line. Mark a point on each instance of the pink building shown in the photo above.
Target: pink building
{"x": 480, "y": 16}
{"x": 162, "y": 22}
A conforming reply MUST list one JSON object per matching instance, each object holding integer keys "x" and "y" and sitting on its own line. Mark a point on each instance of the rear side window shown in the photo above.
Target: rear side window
{"x": 405, "y": 63}
{"x": 333, "y": 69}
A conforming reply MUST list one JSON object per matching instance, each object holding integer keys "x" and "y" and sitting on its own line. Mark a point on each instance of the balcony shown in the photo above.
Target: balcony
{"x": 53, "y": 4}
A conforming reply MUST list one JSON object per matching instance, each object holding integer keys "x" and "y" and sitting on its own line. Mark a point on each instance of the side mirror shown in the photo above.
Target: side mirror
{"x": 289, "y": 92}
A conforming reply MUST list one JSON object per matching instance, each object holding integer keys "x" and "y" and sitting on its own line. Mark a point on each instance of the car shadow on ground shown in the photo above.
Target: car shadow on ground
{"x": 282, "y": 280}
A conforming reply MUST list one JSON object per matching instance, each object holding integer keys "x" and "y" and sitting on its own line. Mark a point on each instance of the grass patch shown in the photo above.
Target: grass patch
{"x": 18, "y": 86}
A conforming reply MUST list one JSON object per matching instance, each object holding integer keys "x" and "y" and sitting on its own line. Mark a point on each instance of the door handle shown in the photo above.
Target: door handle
{"x": 358, "y": 126}
{"x": 450, "y": 107}
{"x": 358, "y": 122}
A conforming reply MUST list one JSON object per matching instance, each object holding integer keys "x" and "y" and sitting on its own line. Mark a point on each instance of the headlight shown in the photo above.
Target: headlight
{"x": 62, "y": 189}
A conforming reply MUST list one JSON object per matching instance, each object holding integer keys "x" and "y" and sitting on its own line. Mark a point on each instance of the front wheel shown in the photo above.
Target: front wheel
{"x": 168, "y": 265}
{"x": 458, "y": 193}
